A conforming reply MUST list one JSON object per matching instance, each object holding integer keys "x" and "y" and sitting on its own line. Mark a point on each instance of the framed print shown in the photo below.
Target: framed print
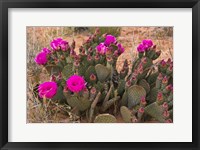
{"x": 103, "y": 74}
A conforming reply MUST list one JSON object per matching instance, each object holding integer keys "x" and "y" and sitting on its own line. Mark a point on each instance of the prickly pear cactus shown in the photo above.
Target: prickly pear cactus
{"x": 91, "y": 82}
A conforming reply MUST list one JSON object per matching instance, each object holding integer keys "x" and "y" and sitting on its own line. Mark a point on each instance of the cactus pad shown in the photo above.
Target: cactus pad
{"x": 153, "y": 94}
{"x": 145, "y": 85}
{"x": 126, "y": 114}
{"x": 79, "y": 102}
{"x": 67, "y": 71}
{"x": 135, "y": 93}
{"x": 121, "y": 87}
{"x": 152, "y": 78}
{"x": 124, "y": 100}
{"x": 155, "y": 111}
{"x": 103, "y": 73}
{"x": 105, "y": 118}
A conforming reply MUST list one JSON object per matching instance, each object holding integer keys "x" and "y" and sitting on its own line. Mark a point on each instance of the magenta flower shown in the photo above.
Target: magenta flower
{"x": 41, "y": 58}
{"x": 59, "y": 43}
{"x": 147, "y": 43}
{"x": 141, "y": 48}
{"x": 47, "y": 89}
{"x": 76, "y": 83}
{"x": 101, "y": 48}
{"x": 110, "y": 39}
{"x": 46, "y": 50}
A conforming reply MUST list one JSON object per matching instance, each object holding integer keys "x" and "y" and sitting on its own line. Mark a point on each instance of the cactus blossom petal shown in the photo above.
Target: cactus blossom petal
{"x": 76, "y": 83}
{"x": 47, "y": 89}
{"x": 41, "y": 58}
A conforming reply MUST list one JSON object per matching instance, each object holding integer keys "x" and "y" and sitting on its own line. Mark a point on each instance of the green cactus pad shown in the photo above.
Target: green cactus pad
{"x": 89, "y": 71}
{"x": 67, "y": 71}
{"x": 152, "y": 78}
{"x": 124, "y": 100}
{"x": 153, "y": 94}
{"x": 105, "y": 118}
{"x": 82, "y": 68}
{"x": 103, "y": 73}
{"x": 145, "y": 85}
{"x": 135, "y": 93}
{"x": 155, "y": 111}
{"x": 79, "y": 102}
{"x": 126, "y": 114}
{"x": 121, "y": 87}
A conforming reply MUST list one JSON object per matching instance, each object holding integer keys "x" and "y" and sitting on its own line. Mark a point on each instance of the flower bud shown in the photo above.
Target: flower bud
{"x": 143, "y": 101}
{"x": 165, "y": 106}
{"x": 89, "y": 58}
{"x": 93, "y": 90}
{"x": 90, "y": 50}
{"x": 128, "y": 83}
{"x": 93, "y": 93}
{"x": 134, "y": 120}
{"x": 93, "y": 77}
{"x": 53, "y": 78}
{"x": 160, "y": 76}
{"x": 165, "y": 80}
{"x": 141, "y": 110}
{"x": 166, "y": 114}
{"x": 140, "y": 113}
{"x": 76, "y": 64}
{"x": 163, "y": 63}
{"x": 168, "y": 121}
{"x": 160, "y": 98}
{"x": 159, "y": 80}
{"x": 97, "y": 57}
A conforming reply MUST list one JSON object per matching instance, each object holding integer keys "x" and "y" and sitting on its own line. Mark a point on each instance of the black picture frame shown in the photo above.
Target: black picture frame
{"x": 6, "y": 4}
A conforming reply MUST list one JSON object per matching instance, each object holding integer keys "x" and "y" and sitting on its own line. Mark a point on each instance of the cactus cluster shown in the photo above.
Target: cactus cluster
{"x": 88, "y": 80}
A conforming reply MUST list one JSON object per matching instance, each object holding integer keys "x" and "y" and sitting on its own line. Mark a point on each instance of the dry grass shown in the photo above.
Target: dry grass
{"x": 40, "y": 37}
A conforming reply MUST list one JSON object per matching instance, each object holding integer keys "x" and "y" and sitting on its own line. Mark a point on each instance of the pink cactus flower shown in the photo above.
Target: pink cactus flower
{"x": 41, "y": 58}
{"x": 147, "y": 43}
{"x": 76, "y": 83}
{"x": 109, "y": 40}
{"x": 101, "y": 48}
{"x": 46, "y": 50}
{"x": 141, "y": 48}
{"x": 47, "y": 89}
{"x": 59, "y": 43}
